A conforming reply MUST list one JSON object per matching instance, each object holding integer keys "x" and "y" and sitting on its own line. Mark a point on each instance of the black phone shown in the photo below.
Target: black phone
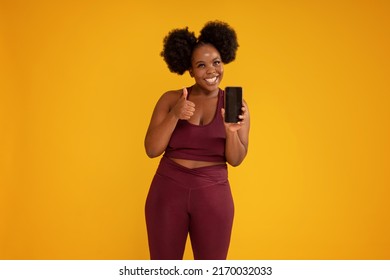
{"x": 233, "y": 104}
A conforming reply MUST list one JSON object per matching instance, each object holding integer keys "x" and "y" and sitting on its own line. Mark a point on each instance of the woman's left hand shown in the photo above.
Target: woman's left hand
{"x": 233, "y": 127}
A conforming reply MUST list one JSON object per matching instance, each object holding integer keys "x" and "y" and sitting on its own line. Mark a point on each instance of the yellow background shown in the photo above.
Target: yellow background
{"x": 78, "y": 83}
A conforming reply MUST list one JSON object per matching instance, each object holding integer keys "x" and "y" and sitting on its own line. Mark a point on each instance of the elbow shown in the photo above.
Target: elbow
{"x": 151, "y": 153}
{"x": 236, "y": 160}
{"x": 235, "y": 163}
{"x": 153, "y": 148}
{"x": 149, "y": 149}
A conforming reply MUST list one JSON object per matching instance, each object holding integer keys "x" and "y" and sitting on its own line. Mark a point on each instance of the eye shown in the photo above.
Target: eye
{"x": 201, "y": 65}
{"x": 217, "y": 62}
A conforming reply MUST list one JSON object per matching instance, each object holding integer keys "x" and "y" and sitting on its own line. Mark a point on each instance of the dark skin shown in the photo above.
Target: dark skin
{"x": 198, "y": 109}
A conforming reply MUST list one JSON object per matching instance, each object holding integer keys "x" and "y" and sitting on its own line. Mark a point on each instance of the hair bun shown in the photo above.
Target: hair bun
{"x": 177, "y": 50}
{"x": 222, "y": 37}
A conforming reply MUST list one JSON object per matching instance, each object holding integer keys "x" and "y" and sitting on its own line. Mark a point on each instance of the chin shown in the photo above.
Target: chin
{"x": 211, "y": 87}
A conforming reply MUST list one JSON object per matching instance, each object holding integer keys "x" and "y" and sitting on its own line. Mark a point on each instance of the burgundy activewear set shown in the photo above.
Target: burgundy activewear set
{"x": 197, "y": 201}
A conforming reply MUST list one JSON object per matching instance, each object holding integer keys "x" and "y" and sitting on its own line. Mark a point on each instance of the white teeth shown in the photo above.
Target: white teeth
{"x": 212, "y": 80}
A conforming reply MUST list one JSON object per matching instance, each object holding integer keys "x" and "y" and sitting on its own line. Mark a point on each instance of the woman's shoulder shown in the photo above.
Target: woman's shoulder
{"x": 172, "y": 93}
{"x": 170, "y": 97}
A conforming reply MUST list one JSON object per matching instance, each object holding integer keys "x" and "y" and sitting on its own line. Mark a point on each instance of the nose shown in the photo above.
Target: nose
{"x": 211, "y": 70}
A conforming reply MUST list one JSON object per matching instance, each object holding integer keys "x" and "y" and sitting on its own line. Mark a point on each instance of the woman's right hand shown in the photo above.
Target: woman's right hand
{"x": 183, "y": 109}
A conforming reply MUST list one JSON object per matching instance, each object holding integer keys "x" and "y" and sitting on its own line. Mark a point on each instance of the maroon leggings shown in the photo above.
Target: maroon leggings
{"x": 196, "y": 201}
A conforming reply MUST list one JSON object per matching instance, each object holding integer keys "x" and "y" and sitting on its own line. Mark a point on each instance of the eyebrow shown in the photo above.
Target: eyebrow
{"x": 201, "y": 61}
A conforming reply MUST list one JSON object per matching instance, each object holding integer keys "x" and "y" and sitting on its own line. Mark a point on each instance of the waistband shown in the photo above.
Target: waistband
{"x": 193, "y": 177}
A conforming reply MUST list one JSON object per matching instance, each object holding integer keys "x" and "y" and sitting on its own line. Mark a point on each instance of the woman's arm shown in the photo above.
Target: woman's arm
{"x": 237, "y": 137}
{"x": 171, "y": 107}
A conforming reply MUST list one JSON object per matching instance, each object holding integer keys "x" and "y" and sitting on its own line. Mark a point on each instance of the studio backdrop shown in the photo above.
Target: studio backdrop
{"x": 79, "y": 81}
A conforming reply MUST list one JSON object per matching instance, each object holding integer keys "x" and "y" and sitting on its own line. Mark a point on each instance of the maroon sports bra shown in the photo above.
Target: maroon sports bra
{"x": 199, "y": 142}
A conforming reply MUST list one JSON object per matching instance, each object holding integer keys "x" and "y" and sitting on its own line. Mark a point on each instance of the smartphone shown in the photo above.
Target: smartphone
{"x": 233, "y": 104}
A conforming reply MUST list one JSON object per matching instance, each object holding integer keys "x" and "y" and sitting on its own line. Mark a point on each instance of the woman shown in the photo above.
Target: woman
{"x": 190, "y": 192}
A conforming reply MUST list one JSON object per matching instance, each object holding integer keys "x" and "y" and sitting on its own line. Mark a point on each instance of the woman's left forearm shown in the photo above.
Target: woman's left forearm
{"x": 237, "y": 137}
{"x": 236, "y": 149}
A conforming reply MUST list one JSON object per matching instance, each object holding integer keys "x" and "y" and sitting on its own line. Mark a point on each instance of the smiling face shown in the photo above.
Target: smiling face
{"x": 206, "y": 67}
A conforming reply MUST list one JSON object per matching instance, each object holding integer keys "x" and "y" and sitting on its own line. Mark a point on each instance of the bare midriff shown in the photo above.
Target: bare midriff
{"x": 195, "y": 163}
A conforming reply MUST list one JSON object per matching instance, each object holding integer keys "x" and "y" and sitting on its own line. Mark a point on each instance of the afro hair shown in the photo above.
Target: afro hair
{"x": 222, "y": 37}
{"x": 179, "y": 44}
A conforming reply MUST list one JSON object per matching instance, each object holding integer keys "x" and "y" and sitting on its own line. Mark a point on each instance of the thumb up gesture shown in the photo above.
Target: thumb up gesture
{"x": 184, "y": 109}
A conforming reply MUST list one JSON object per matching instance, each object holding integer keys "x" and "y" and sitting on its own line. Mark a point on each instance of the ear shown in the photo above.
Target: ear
{"x": 191, "y": 73}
